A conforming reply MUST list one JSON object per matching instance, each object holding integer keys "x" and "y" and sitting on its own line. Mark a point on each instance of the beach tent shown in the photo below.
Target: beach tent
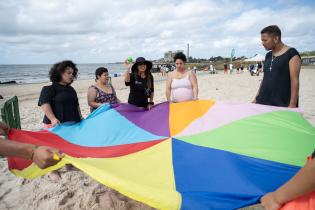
{"x": 256, "y": 58}
{"x": 192, "y": 155}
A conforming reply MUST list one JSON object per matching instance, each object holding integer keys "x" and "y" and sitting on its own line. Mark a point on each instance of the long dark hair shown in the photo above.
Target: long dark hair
{"x": 148, "y": 75}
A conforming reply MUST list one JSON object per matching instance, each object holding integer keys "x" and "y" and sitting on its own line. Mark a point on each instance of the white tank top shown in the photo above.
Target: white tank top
{"x": 182, "y": 89}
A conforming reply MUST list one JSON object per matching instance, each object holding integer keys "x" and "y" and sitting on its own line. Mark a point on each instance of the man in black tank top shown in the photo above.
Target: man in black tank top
{"x": 280, "y": 85}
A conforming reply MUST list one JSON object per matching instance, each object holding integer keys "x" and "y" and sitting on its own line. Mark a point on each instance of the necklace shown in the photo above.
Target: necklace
{"x": 273, "y": 57}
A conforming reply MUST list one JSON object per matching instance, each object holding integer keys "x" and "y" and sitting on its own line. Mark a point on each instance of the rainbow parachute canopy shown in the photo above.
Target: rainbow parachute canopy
{"x": 191, "y": 155}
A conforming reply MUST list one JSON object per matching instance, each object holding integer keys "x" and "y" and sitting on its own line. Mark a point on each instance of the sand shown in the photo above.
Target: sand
{"x": 78, "y": 191}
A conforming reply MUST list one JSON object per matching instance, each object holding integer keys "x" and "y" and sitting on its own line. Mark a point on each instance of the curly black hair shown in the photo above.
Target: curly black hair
{"x": 180, "y": 56}
{"x": 59, "y": 68}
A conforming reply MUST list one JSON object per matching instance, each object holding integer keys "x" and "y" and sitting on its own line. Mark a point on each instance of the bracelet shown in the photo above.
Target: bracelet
{"x": 33, "y": 150}
{"x": 151, "y": 103}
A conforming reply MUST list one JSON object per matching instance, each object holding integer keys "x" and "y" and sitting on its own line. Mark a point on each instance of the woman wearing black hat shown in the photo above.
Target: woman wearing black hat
{"x": 141, "y": 83}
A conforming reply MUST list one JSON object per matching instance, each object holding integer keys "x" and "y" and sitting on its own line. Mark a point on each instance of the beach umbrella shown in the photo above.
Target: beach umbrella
{"x": 192, "y": 155}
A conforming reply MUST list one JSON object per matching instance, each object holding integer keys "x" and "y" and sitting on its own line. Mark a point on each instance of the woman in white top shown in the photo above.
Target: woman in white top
{"x": 181, "y": 84}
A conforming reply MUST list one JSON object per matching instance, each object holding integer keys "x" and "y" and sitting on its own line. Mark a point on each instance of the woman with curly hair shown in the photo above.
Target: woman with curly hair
{"x": 59, "y": 100}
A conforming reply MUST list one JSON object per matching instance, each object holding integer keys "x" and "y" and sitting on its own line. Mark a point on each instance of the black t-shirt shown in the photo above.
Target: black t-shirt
{"x": 63, "y": 101}
{"x": 139, "y": 91}
{"x": 275, "y": 89}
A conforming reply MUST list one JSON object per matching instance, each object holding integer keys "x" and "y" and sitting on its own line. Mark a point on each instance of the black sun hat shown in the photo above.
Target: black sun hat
{"x": 141, "y": 60}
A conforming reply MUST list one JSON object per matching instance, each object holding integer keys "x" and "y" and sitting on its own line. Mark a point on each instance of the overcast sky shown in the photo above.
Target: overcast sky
{"x": 100, "y": 31}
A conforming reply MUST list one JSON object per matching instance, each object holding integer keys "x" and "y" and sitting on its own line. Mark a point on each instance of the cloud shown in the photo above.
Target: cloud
{"x": 36, "y": 31}
{"x": 297, "y": 28}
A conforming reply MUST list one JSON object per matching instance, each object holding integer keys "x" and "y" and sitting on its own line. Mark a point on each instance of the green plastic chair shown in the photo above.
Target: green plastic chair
{"x": 10, "y": 113}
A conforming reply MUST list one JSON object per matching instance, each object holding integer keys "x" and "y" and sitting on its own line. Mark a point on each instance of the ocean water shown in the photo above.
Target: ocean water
{"x": 38, "y": 73}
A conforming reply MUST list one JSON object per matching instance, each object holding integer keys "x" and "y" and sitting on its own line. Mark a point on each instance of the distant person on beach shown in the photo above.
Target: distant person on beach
{"x": 158, "y": 70}
{"x": 163, "y": 71}
{"x": 212, "y": 69}
{"x": 141, "y": 83}
{"x": 42, "y": 156}
{"x": 59, "y": 101}
{"x": 280, "y": 85}
{"x": 231, "y": 68}
{"x": 251, "y": 69}
{"x": 259, "y": 67}
{"x": 225, "y": 66}
{"x": 238, "y": 68}
{"x": 181, "y": 84}
{"x": 103, "y": 91}
{"x": 300, "y": 187}
{"x": 195, "y": 69}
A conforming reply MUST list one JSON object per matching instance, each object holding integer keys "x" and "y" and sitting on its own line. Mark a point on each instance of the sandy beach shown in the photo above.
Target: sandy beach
{"x": 78, "y": 191}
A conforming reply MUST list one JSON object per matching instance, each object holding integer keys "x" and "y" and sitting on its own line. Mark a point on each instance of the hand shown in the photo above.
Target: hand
{"x": 149, "y": 106}
{"x": 54, "y": 122}
{"x": 254, "y": 101}
{"x": 269, "y": 202}
{"x": 43, "y": 157}
{"x": 4, "y": 129}
{"x": 127, "y": 64}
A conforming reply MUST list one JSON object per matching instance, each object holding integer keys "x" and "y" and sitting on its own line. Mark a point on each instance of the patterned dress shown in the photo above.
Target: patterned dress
{"x": 103, "y": 97}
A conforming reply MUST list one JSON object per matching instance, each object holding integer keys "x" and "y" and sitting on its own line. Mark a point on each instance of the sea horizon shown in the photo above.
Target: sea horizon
{"x": 38, "y": 73}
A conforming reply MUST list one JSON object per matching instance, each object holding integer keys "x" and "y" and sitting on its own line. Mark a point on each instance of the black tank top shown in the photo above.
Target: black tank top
{"x": 275, "y": 89}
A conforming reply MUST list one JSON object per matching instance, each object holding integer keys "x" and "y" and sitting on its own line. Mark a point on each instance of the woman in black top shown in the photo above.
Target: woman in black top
{"x": 141, "y": 83}
{"x": 59, "y": 100}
